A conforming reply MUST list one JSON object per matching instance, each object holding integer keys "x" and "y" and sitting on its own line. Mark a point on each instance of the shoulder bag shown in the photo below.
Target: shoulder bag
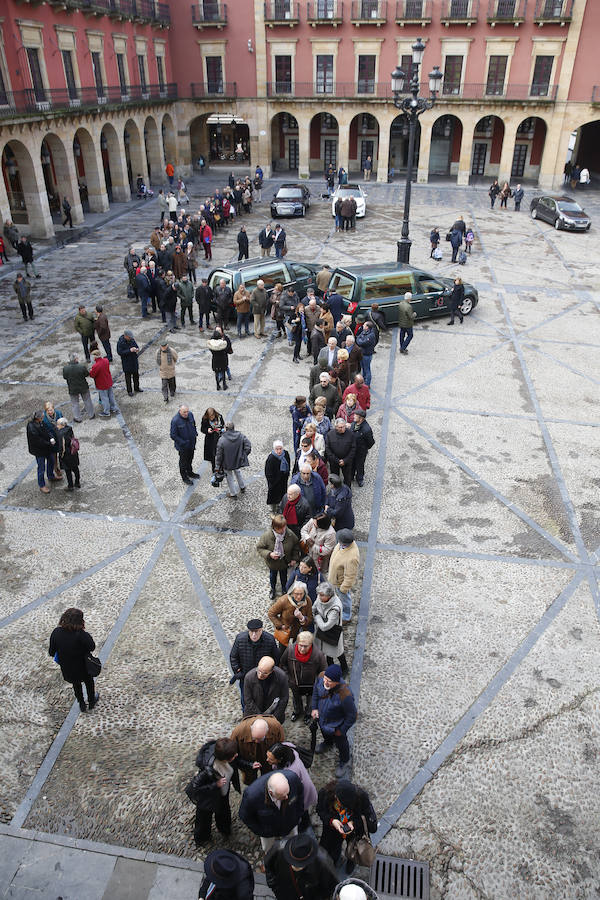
{"x": 360, "y": 850}
{"x": 93, "y": 666}
{"x": 331, "y": 636}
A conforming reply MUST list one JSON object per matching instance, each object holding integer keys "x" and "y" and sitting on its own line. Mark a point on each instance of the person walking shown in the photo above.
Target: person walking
{"x": 75, "y": 374}
{"x": 227, "y": 876}
{"x": 170, "y": 172}
{"x": 128, "y": 350}
{"x": 455, "y": 242}
{"x": 25, "y": 251}
{"x": 220, "y": 346}
{"x": 70, "y": 644}
{"x": 22, "y": 288}
{"x": 212, "y": 427}
{"x": 406, "y": 321}
{"x": 183, "y": 435}
{"x": 302, "y": 662}
{"x": 84, "y": 326}
{"x": 166, "y": 358}
{"x": 258, "y": 304}
{"x": 100, "y": 372}
{"x": 518, "y": 195}
{"x": 456, "y": 301}
{"x": 248, "y": 649}
{"x": 347, "y": 814}
{"x": 493, "y": 192}
{"x": 273, "y": 806}
{"x": 584, "y": 178}
{"x": 277, "y": 473}
{"x": 102, "y": 329}
{"x": 469, "y": 238}
{"x": 66, "y": 208}
{"x": 233, "y": 449}
{"x": 280, "y": 548}
{"x": 209, "y": 788}
{"x": 334, "y": 707}
{"x": 68, "y": 452}
{"x": 242, "y": 242}
{"x": 300, "y": 868}
{"x": 42, "y": 445}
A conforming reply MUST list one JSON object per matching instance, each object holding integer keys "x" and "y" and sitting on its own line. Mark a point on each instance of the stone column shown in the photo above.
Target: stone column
{"x": 40, "y": 222}
{"x": 466, "y": 151}
{"x": 118, "y": 167}
{"x": 66, "y": 180}
{"x": 303, "y": 147}
{"x": 184, "y": 153}
{"x": 508, "y": 150}
{"x": 556, "y": 145}
{"x": 383, "y": 151}
{"x": 424, "y": 151}
{"x": 343, "y": 145}
{"x": 5, "y": 212}
{"x": 94, "y": 177}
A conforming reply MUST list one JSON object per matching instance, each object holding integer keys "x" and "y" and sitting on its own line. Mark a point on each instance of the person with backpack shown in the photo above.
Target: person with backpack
{"x": 469, "y": 238}
{"x": 68, "y": 452}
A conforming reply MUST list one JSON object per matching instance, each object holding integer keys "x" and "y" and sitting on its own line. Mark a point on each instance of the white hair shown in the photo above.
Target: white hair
{"x": 277, "y": 444}
{"x": 62, "y": 421}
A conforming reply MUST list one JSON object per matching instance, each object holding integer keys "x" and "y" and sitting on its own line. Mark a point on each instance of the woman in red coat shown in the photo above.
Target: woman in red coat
{"x": 206, "y": 239}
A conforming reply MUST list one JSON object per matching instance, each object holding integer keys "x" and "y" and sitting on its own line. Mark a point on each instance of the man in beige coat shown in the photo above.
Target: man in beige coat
{"x": 343, "y": 569}
{"x": 166, "y": 357}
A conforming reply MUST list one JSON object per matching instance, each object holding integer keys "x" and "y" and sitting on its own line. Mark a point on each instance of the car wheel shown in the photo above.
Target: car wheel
{"x": 557, "y": 224}
{"x": 588, "y": 227}
{"x": 467, "y": 306}
{"x": 534, "y": 213}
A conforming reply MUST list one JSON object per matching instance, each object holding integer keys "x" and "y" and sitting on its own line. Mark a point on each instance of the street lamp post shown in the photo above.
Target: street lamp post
{"x": 412, "y": 107}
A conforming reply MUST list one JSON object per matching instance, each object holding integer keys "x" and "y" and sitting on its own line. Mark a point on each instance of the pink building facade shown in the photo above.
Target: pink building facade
{"x": 95, "y": 92}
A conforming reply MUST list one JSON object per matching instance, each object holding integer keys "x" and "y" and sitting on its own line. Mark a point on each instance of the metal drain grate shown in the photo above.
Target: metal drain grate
{"x": 393, "y": 877}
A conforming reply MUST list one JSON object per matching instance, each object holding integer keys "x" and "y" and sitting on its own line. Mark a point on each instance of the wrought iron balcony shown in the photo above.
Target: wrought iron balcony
{"x": 30, "y": 101}
{"x": 459, "y": 12}
{"x": 553, "y": 12}
{"x": 324, "y": 12}
{"x": 381, "y": 90}
{"x": 282, "y": 12}
{"x": 506, "y": 12}
{"x": 137, "y": 10}
{"x": 413, "y": 12}
{"x": 209, "y": 14}
{"x": 369, "y": 12}
{"x": 219, "y": 89}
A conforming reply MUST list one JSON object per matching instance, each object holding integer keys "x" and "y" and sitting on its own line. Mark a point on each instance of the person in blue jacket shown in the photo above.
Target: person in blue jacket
{"x": 366, "y": 338}
{"x": 273, "y": 806}
{"x": 183, "y": 435}
{"x": 333, "y": 705}
{"x": 311, "y": 487}
{"x": 335, "y": 302}
{"x": 306, "y": 572}
{"x": 339, "y": 503}
{"x": 301, "y": 412}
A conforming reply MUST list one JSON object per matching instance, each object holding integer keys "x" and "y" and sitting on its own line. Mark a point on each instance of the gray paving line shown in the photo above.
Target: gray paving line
{"x": 497, "y": 415}
{"x": 13, "y": 381}
{"x": 74, "y": 514}
{"x": 545, "y": 235}
{"x": 362, "y": 621}
{"x": 135, "y": 452}
{"x": 451, "y": 553}
{"x": 17, "y": 481}
{"x": 560, "y": 362}
{"x": 14, "y": 422}
{"x": 447, "y": 372}
{"x": 574, "y": 343}
{"x": 60, "y": 740}
{"x": 512, "y": 507}
{"x": 467, "y": 720}
{"x": 205, "y": 601}
{"x": 455, "y": 335}
{"x": 559, "y": 315}
{"x": 222, "y": 495}
{"x": 75, "y": 580}
{"x": 220, "y": 529}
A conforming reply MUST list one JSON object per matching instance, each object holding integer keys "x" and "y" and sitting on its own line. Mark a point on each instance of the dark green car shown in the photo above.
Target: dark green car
{"x": 386, "y": 284}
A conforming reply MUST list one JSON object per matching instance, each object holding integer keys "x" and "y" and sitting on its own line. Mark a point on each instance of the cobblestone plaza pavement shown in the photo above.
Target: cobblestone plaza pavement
{"x": 475, "y": 650}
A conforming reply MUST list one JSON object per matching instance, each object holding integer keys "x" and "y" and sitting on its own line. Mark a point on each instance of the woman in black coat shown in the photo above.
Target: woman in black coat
{"x": 342, "y": 803}
{"x": 220, "y": 346}
{"x": 456, "y": 300}
{"x": 69, "y": 458}
{"x": 212, "y": 427}
{"x": 71, "y": 644}
{"x": 277, "y": 472}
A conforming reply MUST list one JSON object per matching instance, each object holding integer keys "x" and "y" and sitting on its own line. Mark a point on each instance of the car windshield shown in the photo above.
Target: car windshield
{"x": 289, "y": 194}
{"x": 343, "y": 285}
{"x": 571, "y": 207}
{"x": 349, "y": 192}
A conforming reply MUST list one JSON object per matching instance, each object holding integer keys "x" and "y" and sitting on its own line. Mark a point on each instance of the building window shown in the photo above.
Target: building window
{"x": 3, "y": 94}
{"x": 122, "y": 75}
{"x": 69, "y": 73}
{"x": 366, "y": 74}
{"x": 496, "y": 75}
{"x": 35, "y": 68}
{"x": 459, "y": 9}
{"x": 214, "y": 74}
{"x": 506, "y": 8}
{"x": 142, "y": 70}
{"x": 406, "y": 64}
{"x": 325, "y": 9}
{"x": 97, "y": 67}
{"x": 283, "y": 74}
{"x": 527, "y": 127}
{"x": 161, "y": 73}
{"x": 541, "y": 76}
{"x": 452, "y": 75}
{"x": 369, "y": 9}
{"x": 324, "y": 75}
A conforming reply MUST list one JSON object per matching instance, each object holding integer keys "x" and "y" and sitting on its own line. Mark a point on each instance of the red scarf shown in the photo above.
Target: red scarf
{"x": 289, "y": 511}
{"x": 302, "y": 657}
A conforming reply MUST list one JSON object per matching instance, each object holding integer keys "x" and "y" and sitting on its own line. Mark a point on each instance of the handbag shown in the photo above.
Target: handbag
{"x": 360, "y": 850}
{"x": 93, "y": 666}
{"x": 74, "y": 445}
{"x": 448, "y": 236}
{"x": 284, "y": 250}
{"x": 282, "y": 635}
{"x": 331, "y": 636}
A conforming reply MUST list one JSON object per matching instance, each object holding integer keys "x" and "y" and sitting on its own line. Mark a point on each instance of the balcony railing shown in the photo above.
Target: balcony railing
{"x": 324, "y": 12}
{"x": 506, "y": 12}
{"x": 141, "y": 10}
{"x": 302, "y": 89}
{"x": 368, "y": 12}
{"x": 209, "y": 14}
{"x": 553, "y": 12}
{"x": 459, "y": 12}
{"x": 18, "y": 103}
{"x": 223, "y": 89}
{"x": 282, "y": 12}
{"x": 413, "y": 12}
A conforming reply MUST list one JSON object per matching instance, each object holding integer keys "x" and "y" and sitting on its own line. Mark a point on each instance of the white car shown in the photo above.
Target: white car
{"x": 351, "y": 190}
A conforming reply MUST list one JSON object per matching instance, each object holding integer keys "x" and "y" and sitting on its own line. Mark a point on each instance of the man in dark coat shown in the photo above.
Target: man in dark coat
{"x": 22, "y": 288}
{"x": 364, "y": 441}
{"x": 183, "y": 435}
{"x": 266, "y": 690}
{"x": 223, "y": 302}
{"x": 228, "y": 876}
{"x": 340, "y": 449}
{"x": 455, "y": 242}
{"x": 233, "y": 449}
{"x": 273, "y": 806}
{"x": 266, "y": 239}
{"x": 25, "y": 251}
{"x": 300, "y": 869}
{"x": 41, "y": 445}
{"x": 209, "y": 788}
{"x": 339, "y": 503}
{"x": 366, "y": 340}
{"x": 334, "y": 707}
{"x": 103, "y": 331}
{"x": 128, "y": 349}
{"x": 66, "y": 206}
{"x": 76, "y": 375}
{"x": 249, "y": 648}
{"x": 295, "y": 509}
{"x": 204, "y": 299}
{"x": 144, "y": 290}
{"x": 311, "y": 487}
{"x": 335, "y": 302}
{"x": 242, "y": 240}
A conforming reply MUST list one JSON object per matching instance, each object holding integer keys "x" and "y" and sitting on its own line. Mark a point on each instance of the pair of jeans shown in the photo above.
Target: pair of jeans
{"x": 202, "y": 316}
{"x": 346, "y": 604}
{"x": 406, "y": 336}
{"x": 85, "y": 340}
{"x": 44, "y": 463}
{"x": 231, "y": 481}
{"x": 279, "y": 251}
{"x": 168, "y": 385}
{"x": 107, "y": 350}
{"x": 243, "y": 320}
{"x": 69, "y": 473}
{"x": 173, "y": 320}
{"x": 366, "y": 368}
{"x": 189, "y": 312}
{"x": 33, "y": 268}
{"x": 27, "y": 308}
{"x": 273, "y": 573}
{"x": 107, "y": 400}
{"x": 144, "y": 306}
{"x": 185, "y": 461}
{"x": 87, "y": 402}
{"x": 341, "y": 742}
{"x": 89, "y": 687}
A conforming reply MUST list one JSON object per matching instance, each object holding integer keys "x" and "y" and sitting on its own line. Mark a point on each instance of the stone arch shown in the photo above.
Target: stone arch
{"x": 585, "y": 151}
{"x": 59, "y": 177}
{"x": 488, "y": 139}
{"x": 169, "y": 140}
{"x": 154, "y": 157}
{"x": 199, "y": 139}
{"x": 134, "y": 153}
{"x": 112, "y": 152}
{"x": 446, "y": 140}
{"x": 24, "y": 185}
{"x": 324, "y": 146}
{"x": 285, "y": 142}
{"x": 364, "y": 141}
{"x": 89, "y": 172}
{"x": 398, "y": 153}
{"x": 530, "y": 141}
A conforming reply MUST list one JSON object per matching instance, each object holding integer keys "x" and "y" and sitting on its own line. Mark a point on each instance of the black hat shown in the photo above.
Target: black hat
{"x": 254, "y": 625}
{"x": 300, "y": 850}
{"x": 224, "y": 868}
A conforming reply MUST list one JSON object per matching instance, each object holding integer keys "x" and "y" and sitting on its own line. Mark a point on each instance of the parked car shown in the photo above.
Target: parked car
{"x": 270, "y": 269}
{"x": 351, "y": 190}
{"x": 290, "y": 200}
{"x": 386, "y": 284}
{"x": 561, "y": 211}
